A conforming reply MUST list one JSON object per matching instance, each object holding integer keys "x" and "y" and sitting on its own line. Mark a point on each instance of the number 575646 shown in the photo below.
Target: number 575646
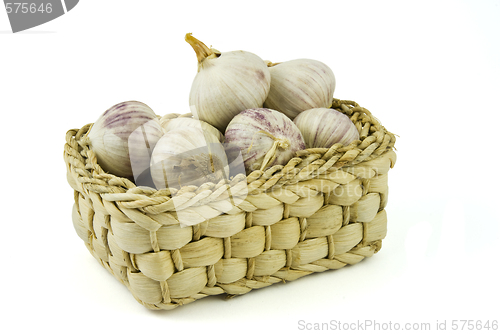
{"x": 26, "y": 7}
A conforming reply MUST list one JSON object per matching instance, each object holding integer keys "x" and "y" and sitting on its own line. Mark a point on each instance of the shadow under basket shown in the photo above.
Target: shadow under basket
{"x": 323, "y": 210}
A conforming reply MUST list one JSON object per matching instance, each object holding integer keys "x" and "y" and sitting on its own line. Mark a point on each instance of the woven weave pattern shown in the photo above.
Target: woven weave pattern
{"x": 323, "y": 210}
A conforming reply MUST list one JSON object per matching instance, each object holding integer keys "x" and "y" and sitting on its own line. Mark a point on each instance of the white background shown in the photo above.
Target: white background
{"x": 429, "y": 70}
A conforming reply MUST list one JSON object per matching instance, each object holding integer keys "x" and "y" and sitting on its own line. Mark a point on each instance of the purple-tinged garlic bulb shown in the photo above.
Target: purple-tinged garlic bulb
{"x": 226, "y": 84}
{"x": 324, "y": 127}
{"x": 124, "y": 137}
{"x": 265, "y": 138}
{"x": 298, "y": 85}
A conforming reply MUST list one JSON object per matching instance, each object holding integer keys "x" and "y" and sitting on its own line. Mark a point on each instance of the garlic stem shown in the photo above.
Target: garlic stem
{"x": 202, "y": 51}
{"x": 282, "y": 143}
{"x": 269, "y": 156}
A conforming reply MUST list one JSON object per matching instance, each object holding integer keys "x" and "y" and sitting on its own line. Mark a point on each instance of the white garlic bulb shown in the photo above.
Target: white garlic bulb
{"x": 265, "y": 138}
{"x": 123, "y": 138}
{"x": 298, "y": 85}
{"x": 188, "y": 156}
{"x": 226, "y": 84}
{"x": 323, "y": 127}
{"x": 168, "y": 124}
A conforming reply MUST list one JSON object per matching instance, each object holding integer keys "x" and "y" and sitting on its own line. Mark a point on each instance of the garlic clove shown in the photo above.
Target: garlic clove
{"x": 298, "y": 85}
{"x": 188, "y": 156}
{"x": 168, "y": 124}
{"x": 226, "y": 84}
{"x": 123, "y": 138}
{"x": 265, "y": 138}
{"x": 324, "y": 127}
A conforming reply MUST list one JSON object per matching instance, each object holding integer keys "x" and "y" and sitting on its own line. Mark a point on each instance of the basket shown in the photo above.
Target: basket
{"x": 323, "y": 210}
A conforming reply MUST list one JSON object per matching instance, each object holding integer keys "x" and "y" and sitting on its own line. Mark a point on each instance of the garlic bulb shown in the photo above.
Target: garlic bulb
{"x": 188, "y": 156}
{"x": 169, "y": 124}
{"x": 226, "y": 84}
{"x": 123, "y": 138}
{"x": 265, "y": 138}
{"x": 299, "y": 85}
{"x": 323, "y": 127}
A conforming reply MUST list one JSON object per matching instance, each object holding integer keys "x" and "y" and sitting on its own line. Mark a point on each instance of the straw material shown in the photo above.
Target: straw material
{"x": 324, "y": 209}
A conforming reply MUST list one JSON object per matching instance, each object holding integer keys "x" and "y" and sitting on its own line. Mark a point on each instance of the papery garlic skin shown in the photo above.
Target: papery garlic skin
{"x": 226, "y": 84}
{"x": 265, "y": 138}
{"x": 298, "y": 85}
{"x": 324, "y": 127}
{"x": 188, "y": 156}
{"x": 123, "y": 138}
{"x": 169, "y": 124}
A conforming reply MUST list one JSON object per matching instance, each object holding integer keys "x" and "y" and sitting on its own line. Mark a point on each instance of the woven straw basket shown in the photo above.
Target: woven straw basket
{"x": 323, "y": 210}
